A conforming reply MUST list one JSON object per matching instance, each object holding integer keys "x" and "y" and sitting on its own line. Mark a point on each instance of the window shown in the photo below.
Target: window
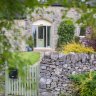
{"x": 44, "y": 36}
{"x": 40, "y": 32}
{"x": 82, "y": 31}
{"x": 34, "y": 31}
{"x": 48, "y": 36}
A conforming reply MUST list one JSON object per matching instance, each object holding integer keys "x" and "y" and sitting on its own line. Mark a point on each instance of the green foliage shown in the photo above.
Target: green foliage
{"x": 65, "y": 32}
{"x": 88, "y": 15}
{"x": 88, "y": 19}
{"x": 30, "y": 41}
{"x": 79, "y": 77}
{"x": 23, "y": 58}
{"x": 2, "y": 88}
{"x": 62, "y": 94}
{"x": 17, "y": 9}
{"x": 10, "y": 10}
{"x": 4, "y": 47}
{"x": 20, "y": 60}
{"x": 85, "y": 83}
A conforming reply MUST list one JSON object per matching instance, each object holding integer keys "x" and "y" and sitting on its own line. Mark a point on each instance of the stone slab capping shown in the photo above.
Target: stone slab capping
{"x": 55, "y": 69}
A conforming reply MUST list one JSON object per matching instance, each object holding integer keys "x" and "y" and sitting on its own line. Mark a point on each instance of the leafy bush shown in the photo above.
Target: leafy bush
{"x": 62, "y": 94}
{"x": 85, "y": 84}
{"x": 65, "y": 32}
{"x": 77, "y": 48}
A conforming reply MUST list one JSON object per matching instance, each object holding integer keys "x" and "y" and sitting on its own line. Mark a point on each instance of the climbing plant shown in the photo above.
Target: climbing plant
{"x": 30, "y": 42}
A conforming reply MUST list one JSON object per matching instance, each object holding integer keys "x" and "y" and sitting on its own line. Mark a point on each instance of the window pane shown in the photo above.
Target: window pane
{"x": 44, "y": 36}
{"x": 82, "y": 31}
{"x": 40, "y": 32}
{"x": 34, "y": 32}
{"x": 48, "y": 35}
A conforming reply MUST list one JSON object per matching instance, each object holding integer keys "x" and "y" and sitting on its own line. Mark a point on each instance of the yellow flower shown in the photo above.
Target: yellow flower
{"x": 77, "y": 48}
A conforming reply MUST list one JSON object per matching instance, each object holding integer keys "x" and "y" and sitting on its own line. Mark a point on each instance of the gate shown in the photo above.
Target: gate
{"x": 16, "y": 87}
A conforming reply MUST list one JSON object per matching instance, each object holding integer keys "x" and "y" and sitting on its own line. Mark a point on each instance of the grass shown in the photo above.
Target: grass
{"x": 22, "y": 58}
{"x": 32, "y": 57}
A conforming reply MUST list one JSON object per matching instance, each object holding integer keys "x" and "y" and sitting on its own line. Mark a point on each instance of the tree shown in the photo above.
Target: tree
{"x": 88, "y": 19}
{"x": 10, "y": 10}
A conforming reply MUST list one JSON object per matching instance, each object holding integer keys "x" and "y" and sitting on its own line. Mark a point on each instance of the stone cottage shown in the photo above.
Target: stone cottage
{"x": 42, "y": 25}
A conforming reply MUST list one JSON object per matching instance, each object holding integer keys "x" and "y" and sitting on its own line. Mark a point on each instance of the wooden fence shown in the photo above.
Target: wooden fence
{"x": 26, "y": 87}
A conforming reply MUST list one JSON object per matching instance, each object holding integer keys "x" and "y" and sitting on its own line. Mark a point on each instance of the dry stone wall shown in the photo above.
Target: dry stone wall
{"x": 55, "y": 70}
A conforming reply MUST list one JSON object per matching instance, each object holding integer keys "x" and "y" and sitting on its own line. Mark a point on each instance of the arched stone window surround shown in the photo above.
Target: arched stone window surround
{"x": 43, "y": 22}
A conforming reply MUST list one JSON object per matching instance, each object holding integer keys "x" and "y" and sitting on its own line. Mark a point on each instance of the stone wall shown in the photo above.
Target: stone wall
{"x": 54, "y": 16}
{"x": 55, "y": 70}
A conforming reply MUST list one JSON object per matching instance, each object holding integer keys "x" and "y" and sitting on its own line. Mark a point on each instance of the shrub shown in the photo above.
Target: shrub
{"x": 77, "y": 39}
{"x": 90, "y": 42}
{"x": 86, "y": 85}
{"x": 30, "y": 41}
{"x": 62, "y": 94}
{"x": 77, "y": 48}
{"x": 65, "y": 32}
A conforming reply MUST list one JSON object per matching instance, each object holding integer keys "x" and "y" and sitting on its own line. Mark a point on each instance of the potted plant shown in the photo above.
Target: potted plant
{"x": 30, "y": 43}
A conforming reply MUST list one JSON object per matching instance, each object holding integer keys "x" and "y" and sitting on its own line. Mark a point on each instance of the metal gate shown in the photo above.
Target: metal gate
{"x": 26, "y": 87}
